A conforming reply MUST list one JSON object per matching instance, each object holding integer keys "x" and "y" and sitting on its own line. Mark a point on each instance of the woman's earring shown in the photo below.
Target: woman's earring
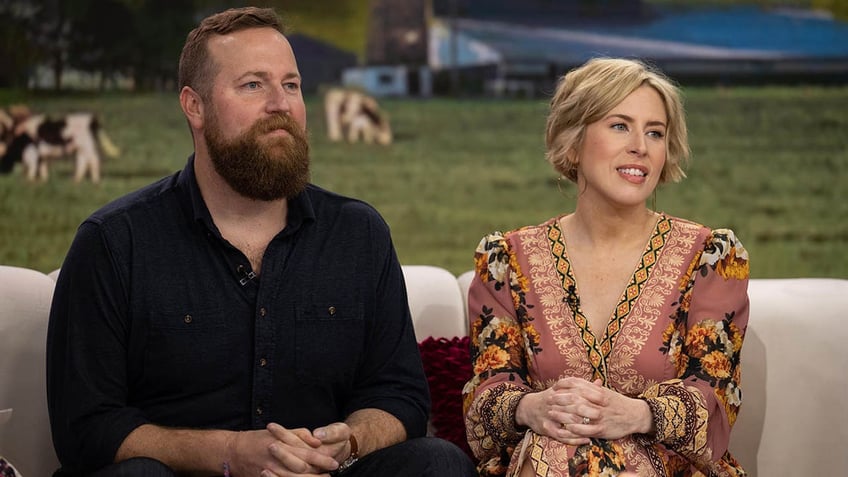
{"x": 559, "y": 186}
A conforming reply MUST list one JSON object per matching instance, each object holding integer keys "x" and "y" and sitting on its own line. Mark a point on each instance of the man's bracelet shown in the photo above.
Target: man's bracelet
{"x": 351, "y": 459}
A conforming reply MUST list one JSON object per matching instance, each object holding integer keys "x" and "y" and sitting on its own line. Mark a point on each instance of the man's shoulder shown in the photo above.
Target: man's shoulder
{"x": 327, "y": 203}
{"x": 133, "y": 202}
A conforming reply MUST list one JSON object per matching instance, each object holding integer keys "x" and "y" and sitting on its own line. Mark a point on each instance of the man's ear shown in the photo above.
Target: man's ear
{"x": 192, "y": 105}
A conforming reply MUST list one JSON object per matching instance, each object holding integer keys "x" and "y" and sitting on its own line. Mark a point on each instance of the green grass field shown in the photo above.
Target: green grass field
{"x": 771, "y": 163}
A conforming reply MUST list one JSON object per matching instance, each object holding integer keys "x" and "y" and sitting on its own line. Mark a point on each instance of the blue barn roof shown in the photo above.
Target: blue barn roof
{"x": 736, "y": 40}
{"x": 788, "y": 32}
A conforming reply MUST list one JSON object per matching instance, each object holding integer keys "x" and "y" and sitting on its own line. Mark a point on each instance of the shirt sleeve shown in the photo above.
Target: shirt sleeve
{"x": 694, "y": 413}
{"x": 498, "y": 356}
{"x": 86, "y": 356}
{"x": 391, "y": 375}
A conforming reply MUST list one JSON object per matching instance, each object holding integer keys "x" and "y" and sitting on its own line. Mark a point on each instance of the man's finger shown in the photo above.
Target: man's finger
{"x": 293, "y": 437}
{"x": 331, "y": 433}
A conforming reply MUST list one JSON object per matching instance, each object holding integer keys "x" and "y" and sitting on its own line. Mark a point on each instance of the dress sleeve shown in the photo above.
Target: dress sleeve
{"x": 694, "y": 413}
{"x": 499, "y": 336}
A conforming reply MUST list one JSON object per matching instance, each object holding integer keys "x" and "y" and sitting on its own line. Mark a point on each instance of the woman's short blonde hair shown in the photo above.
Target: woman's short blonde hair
{"x": 587, "y": 93}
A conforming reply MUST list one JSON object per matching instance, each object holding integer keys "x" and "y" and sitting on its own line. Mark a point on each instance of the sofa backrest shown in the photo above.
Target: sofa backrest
{"x": 435, "y": 301}
{"x": 25, "y": 297}
{"x": 794, "y": 379}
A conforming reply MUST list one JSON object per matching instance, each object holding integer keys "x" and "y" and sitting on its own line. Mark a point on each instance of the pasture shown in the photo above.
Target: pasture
{"x": 771, "y": 163}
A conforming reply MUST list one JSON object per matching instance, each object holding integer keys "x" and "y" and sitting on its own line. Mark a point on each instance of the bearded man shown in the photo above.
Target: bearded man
{"x": 234, "y": 319}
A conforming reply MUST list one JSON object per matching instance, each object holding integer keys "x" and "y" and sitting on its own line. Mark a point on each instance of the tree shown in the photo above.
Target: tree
{"x": 16, "y": 52}
{"x": 41, "y": 28}
{"x": 342, "y": 23}
{"x": 839, "y": 8}
{"x": 103, "y": 40}
{"x": 161, "y": 27}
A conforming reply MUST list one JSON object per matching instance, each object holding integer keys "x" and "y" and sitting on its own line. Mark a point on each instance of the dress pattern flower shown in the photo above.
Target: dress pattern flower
{"x": 674, "y": 340}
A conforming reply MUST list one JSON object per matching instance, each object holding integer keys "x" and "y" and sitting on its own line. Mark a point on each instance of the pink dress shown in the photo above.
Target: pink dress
{"x": 674, "y": 340}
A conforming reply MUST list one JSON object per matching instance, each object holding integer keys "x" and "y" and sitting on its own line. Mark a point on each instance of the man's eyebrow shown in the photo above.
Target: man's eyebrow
{"x": 265, "y": 75}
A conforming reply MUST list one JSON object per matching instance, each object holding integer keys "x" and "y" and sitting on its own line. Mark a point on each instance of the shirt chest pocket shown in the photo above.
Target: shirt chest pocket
{"x": 194, "y": 343}
{"x": 329, "y": 341}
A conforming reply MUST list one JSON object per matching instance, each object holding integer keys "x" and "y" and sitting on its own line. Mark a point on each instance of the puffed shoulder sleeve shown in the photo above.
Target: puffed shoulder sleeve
{"x": 498, "y": 358}
{"x": 694, "y": 413}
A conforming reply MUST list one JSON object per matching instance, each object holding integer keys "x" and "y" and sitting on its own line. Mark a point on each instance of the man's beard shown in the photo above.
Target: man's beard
{"x": 257, "y": 166}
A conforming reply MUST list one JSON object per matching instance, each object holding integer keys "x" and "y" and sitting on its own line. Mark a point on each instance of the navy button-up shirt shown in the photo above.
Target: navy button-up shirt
{"x": 157, "y": 319}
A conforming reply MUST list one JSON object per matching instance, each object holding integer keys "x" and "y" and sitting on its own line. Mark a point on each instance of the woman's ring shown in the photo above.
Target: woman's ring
{"x": 586, "y": 420}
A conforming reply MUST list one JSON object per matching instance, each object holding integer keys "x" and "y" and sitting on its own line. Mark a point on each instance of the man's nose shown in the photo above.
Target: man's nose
{"x": 278, "y": 100}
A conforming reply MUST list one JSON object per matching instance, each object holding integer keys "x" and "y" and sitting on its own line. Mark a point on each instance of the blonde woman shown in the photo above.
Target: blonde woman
{"x": 607, "y": 339}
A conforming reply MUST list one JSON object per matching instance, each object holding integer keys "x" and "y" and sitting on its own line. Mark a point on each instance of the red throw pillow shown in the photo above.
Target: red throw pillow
{"x": 447, "y": 364}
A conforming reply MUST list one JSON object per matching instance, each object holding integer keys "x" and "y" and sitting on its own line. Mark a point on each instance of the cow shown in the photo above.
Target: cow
{"x": 355, "y": 116}
{"x": 38, "y": 139}
{"x": 7, "y": 125}
{"x": 16, "y": 114}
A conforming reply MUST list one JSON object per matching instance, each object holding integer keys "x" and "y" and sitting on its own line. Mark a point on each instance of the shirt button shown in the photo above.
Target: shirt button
{"x": 262, "y": 311}
{"x": 331, "y": 310}
{"x": 259, "y": 411}
{"x": 187, "y": 319}
{"x": 263, "y": 362}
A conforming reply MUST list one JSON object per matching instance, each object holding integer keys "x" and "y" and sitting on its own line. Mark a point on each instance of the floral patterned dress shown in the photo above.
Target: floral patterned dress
{"x": 674, "y": 340}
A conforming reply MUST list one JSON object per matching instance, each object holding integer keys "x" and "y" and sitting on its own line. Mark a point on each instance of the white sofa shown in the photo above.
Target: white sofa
{"x": 24, "y": 428}
{"x": 796, "y": 352}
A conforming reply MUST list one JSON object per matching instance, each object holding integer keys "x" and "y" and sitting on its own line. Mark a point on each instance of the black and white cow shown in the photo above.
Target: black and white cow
{"x": 355, "y": 116}
{"x": 38, "y": 139}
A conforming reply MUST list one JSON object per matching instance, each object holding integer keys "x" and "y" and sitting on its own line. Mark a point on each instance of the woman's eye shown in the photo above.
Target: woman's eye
{"x": 656, "y": 134}
{"x": 620, "y": 127}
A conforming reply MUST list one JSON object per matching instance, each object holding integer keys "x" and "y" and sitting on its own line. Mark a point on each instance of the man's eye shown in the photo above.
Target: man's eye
{"x": 292, "y": 86}
{"x": 252, "y": 85}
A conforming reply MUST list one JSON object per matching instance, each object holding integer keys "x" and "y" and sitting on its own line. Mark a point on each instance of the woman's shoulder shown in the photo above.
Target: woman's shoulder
{"x": 492, "y": 241}
{"x": 498, "y": 240}
{"x": 722, "y": 247}
{"x": 720, "y": 244}
{"x": 712, "y": 235}
{"x": 687, "y": 224}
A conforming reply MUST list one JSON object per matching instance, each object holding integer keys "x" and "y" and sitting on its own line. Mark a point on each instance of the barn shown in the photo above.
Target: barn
{"x": 319, "y": 63}
{"x": 522, "y": 46}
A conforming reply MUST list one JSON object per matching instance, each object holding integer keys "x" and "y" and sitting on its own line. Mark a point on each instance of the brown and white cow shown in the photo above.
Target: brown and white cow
{"x": 7, "y": 126}
{"x": 39, "y": 139}
{"x": 355, "y": 116}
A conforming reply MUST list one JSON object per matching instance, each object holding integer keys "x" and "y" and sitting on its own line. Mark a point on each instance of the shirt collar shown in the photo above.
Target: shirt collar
{"x": 300, "y": 208}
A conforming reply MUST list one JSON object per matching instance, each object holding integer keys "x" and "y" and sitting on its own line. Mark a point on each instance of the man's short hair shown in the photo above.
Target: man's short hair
{"x": 196, "y": 66}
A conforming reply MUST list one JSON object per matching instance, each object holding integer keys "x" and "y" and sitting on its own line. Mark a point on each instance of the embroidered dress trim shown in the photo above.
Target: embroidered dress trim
{"x": 599, "y": 352}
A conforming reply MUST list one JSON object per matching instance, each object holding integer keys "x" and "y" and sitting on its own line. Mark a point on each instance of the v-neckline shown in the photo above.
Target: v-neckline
{"x": 600, "y": 348}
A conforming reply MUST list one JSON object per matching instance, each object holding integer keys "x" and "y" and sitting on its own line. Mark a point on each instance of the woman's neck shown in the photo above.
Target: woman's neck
{"x": 603, "y": 227}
